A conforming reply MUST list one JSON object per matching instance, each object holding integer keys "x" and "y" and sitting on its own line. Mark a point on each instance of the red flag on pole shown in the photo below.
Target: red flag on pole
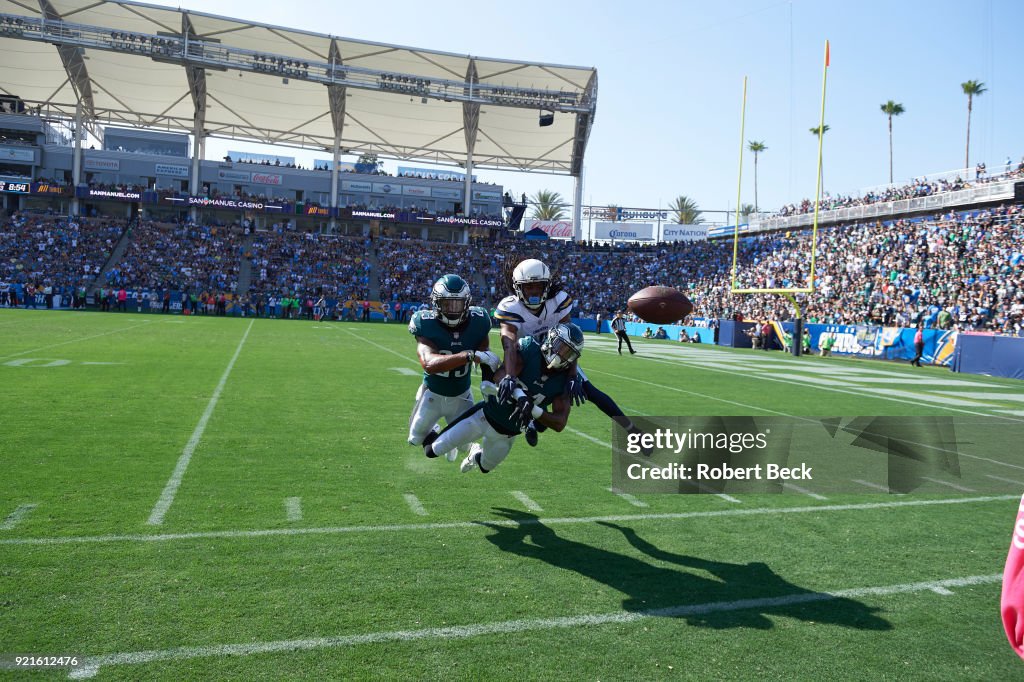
{"x": 1012, "y": 604}
{"x": 826, "y": 53}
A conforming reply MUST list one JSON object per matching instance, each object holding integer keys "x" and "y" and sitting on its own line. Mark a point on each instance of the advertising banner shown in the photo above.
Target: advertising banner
{"x": 318, "y": 211}
{"x": 414, "y": 191}
{"x": 633, "y": 232}
{"x": 356, "y": 186}
{"x": 445, "y": 193}
{"x": 432, "y": 174}
{"x": 172, "y": 171}
{"x": 640, "y": 214}
{"x": 233, "y": 176}
{"x": 267, "y": 178}
{"x": 25, "y": 154}
{"x": 684, "y": 233}
{"x": 556, "y": 229}
{"x": 386, "y": 188}
{"x": 50, "y": 189}
{"x": 486, "y": 196}
{"x": 94, "y": 164}
{"x": 109, "y": 194}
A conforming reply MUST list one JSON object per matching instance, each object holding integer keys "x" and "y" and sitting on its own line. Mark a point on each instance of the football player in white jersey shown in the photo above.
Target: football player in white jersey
{"x": 537, "y": 306}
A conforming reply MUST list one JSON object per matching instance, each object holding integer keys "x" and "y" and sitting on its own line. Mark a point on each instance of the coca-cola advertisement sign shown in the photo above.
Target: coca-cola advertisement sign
{"x": 267, "y": 178}
{"x": 556, "y": 229}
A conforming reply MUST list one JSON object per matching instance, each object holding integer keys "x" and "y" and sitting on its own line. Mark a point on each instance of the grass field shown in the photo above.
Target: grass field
{"x": 208, "y": 498}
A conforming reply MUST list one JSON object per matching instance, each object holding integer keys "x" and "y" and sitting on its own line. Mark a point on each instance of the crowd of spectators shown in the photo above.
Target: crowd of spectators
{"x": 920, "y": 187}
{"x": 308, "y": 264}
{"x": 953, "y": 271}
{"x": 409, "y": 268}
{"x": 184, "y": 257}
{"x": 54, "y": 251}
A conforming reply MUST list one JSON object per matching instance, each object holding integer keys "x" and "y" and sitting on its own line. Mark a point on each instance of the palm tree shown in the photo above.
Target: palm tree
{"x": 757, "y": 148}
{"x": 686, "y": 210}
{"x": 547, "y": 205}
{"x": 818, "y": 132}
{"x": 971, "y": 89}
{"x": 891, "y": 109}
{"x": 746, "y": 210}
{"x": 612, "y": 213}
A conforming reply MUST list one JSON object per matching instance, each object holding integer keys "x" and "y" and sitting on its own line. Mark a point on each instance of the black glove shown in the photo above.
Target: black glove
{"x": 505, "y": 389}
{"x": 523, "y": 413}
{"x": 577, "y": 391}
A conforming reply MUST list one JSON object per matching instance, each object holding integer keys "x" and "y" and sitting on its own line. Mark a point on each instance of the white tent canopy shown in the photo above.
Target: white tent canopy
{"x": 156, "y": 67}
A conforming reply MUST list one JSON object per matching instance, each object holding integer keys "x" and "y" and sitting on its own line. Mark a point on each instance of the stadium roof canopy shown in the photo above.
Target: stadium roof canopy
{"x": 156, "y": 67}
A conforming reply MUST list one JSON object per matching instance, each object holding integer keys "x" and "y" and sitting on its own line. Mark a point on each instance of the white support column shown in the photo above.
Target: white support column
{"x": 197, "y": 157}
{"x": 334, "y": 181}
{"x": 577, "y": 209}
{"x": 467, "y": 199}
{"x": 76, "y": 161}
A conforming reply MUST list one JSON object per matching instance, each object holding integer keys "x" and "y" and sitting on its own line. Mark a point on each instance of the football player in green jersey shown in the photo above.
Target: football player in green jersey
{"x": 542, "y": 371}
{"x": 451, "y": 337}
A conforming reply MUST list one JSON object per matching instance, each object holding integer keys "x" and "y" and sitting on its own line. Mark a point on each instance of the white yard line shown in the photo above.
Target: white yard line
{"x": 92, "y": 665}
{"x": 527, "y": 502}
{"x": 954, "y": 486}
{"x": 1004, "y": 480}
{"x": 804, "y": 491}
{"x": 628, "y": 498}
{"x": 293, "y": 508}
{"x": 84, "y": 338}
{"x": 414, "y": 504}
{"x": 456, "y": 525}
{"x": 15, "y": 517}
{"x": 156, "y": 517}
{"x": 869, "y": 484}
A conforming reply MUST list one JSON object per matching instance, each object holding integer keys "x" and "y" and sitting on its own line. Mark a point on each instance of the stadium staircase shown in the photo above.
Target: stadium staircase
{"x": 515, "y": 217}
{"x": 115, "y": 256}
{"x": 245, "y": 265}
{"x": 371, "y": 255}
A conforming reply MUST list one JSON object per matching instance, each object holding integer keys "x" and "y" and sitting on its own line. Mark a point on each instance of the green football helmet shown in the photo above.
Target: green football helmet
{"x": 563, "y": 346}
{"x": 450, "y": 299}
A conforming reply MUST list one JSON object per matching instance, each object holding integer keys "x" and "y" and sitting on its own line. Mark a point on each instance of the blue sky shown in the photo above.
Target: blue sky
{"x": 670, "y": 83}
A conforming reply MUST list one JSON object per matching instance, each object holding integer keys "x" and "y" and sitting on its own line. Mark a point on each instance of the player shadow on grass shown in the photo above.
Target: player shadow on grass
{"x": 730, "y": 595}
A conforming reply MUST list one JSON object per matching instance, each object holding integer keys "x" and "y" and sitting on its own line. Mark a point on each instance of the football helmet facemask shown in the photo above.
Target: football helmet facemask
{"x": 563, "y": 346}
{"x": 531, "y": 271}
{"x": 450, "y": 299}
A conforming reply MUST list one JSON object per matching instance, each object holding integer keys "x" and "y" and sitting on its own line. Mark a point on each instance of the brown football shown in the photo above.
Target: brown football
{"x": 660, "y": 305}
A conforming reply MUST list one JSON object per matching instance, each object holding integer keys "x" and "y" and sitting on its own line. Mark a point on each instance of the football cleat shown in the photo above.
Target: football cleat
{"x": 472, "y": 460}
{"x": 531, "y": 434}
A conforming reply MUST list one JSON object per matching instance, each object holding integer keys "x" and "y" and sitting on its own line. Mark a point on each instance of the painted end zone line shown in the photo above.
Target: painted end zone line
{"x": 171, "y": 489}
{"x": 92, "y": 666}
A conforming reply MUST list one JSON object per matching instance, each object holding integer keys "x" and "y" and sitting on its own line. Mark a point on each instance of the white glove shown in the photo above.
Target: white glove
{"x": 488, "y": 388}
{"x": 486, "y": 357}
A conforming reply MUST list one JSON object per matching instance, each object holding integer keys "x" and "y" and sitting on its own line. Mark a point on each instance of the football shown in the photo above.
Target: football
{"x": 660, "y": 305}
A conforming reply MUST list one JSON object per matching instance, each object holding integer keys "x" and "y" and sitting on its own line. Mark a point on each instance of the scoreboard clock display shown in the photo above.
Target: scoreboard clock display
{"x": 14, "y": 187}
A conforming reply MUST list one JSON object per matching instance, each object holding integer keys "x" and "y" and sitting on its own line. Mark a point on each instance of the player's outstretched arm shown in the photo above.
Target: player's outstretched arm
{"x": 435, "y": 363}
{"x": 558, "y": 417}
{"x": 509, "y": 347}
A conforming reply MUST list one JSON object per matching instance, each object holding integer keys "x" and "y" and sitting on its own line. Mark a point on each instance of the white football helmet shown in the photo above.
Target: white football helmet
{"x": 563, "y": 346}
{"x": 450, "y": 299}
{"x": 531, "y": 271}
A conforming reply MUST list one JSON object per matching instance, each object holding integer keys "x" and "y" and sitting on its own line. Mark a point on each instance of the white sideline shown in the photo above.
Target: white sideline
{"x": 156, "y": 517}
{"x": 554, "y": 521}
{"x": 15, "y": 517}
{"x": 92, "y": 665}
{"x": 84, "y": 338}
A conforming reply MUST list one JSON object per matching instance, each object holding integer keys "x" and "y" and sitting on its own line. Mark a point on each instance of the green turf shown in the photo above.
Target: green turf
{"x": 318, "y": 412}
